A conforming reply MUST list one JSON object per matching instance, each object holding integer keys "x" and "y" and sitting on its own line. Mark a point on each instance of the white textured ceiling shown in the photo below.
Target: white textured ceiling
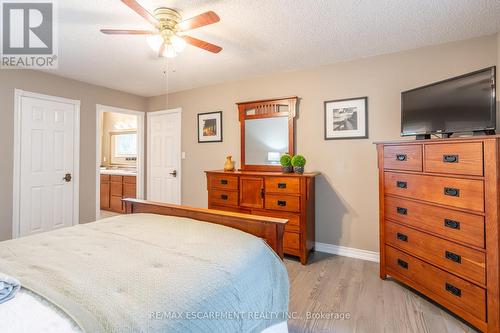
{"x": 258, "y": 37}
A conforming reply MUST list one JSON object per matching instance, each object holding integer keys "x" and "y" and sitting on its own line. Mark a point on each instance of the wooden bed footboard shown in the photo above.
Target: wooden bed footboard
{"x": 268, "y": 228}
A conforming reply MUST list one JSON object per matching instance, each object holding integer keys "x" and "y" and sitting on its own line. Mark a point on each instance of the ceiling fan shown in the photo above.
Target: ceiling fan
{"x": 168, "y": 39}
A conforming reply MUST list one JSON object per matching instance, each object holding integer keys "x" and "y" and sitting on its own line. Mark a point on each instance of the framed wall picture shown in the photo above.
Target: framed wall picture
{"x": 210, "y": 127}
{"x": 346, "y": 119}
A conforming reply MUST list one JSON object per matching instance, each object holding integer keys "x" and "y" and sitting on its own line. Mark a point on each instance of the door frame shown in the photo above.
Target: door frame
{"x": 18, "y": 95}
{"x": 150, "y": 115}
{"x": 100, "y": 109}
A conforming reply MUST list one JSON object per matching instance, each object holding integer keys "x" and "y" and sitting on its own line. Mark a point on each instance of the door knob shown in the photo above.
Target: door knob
{"x": 174, "y": 173}
{"x": 67, "y": 178}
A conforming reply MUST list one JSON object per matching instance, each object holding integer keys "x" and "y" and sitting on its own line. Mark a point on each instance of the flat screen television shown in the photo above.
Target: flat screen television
{"x": 461, "y": 104}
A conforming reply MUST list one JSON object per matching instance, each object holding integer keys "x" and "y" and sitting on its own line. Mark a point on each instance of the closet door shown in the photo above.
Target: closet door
{"x": 251, "y": 192}
{"x": 47, "y": 176}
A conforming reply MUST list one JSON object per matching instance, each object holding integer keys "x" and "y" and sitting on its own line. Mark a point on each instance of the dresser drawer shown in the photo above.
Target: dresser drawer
{"x": 130, "y": 179}
{"x": 453, "y": 289}
{"x": 221, "y": 197}
{"x": 116, "y": 204}
{"x": 116, "y": 189}
{"x": 403, "y": 157}
{"x": 287, "y": 185}
{"x": 293, "y": 219}
{"x": 104, "y": 178}
{"x": 291, "y": 241}
{"x": 231, "y": 209}
{"x": 282, "y": 202}
{"x": 293, "y": 223}
{"x": 448, "y": 255}
{"x": 129, "y": 190}
{"x": 455, "y": 158}
{"x": 451, "y": 224}
{"x": 115, "y": 178}
{"x": 455, "y": 192}
{"x": 223, "y": 182}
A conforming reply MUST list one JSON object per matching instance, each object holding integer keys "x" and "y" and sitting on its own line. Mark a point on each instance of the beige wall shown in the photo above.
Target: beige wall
{"x": 43, "y": 83}
{"x": 347, "y": 202}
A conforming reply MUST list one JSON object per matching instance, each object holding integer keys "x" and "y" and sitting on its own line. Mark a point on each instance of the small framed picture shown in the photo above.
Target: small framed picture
{"x": 346, "y": 119}
{"x": 210, "y": 127}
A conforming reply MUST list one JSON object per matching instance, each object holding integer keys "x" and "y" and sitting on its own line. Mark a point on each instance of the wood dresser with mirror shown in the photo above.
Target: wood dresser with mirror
{"x": 439, "y": 220}
{"x": 259, "y": 187}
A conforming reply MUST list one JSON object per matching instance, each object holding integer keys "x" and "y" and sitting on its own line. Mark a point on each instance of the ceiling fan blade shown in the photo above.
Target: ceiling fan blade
{"x": 199, "y": 21}
{"x": 202, "y": 44}
{"x": 126, "y": 32}
{"x": 134, "y": 5}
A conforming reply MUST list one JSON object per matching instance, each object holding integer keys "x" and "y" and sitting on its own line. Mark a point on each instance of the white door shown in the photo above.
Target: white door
{"x": 164, "y": 156}
{"x": 46, "y": 166}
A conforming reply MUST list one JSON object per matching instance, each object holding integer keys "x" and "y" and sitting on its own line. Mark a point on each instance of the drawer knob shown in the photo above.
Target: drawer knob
{"x": 450, "y": 158}
{"x": 402, "y": 263}
{"x": 401, "y": 157}
{"x": 281, "y": 185}
{"x": 453, "y": 257}
{"x": 401, "y": 184}
{"x": 223, "y": 181}
{"x": 402, "y": 237}
{"x": 224, "y": 196}
{"x": 282, "y": 203}
{"x": 451, "y": 224}
{"x": 453, "y": 290}
{"x": 452, "y": 192}
{"x": 402, "y": 211}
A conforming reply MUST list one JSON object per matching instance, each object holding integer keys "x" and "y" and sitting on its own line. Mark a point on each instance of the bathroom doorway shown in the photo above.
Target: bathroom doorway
{"x": 119, "y": 159}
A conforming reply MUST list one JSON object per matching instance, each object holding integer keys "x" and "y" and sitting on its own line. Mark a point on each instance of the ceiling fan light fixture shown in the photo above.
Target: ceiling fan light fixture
{"x": 168, "y": 39}
{"x": 155, "y": 42}
{"x": 178, "y": 43}
{"x": 169, "y": 51}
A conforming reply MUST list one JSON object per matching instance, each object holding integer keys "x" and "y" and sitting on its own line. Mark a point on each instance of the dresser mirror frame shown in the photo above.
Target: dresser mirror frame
{"x": 269, "y": 108}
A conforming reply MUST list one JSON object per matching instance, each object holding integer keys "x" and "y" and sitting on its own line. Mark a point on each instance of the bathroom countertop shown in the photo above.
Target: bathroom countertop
{"x": 119, "y": 172}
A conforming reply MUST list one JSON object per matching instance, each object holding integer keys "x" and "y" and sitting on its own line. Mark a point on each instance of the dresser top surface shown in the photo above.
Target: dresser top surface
{"x": 263, "y": 173}
{"x": 439, "y": 140}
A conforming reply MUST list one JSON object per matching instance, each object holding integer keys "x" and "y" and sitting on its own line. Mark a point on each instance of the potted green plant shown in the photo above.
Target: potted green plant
{"x": 286, "y": 163}
{"x": 298, "y": 163}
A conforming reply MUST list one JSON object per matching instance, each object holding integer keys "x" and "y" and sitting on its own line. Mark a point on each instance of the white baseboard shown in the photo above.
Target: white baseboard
{"x": 348, "y": 252}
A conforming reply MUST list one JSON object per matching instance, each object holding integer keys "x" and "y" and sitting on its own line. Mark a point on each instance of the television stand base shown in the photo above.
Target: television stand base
{"x": 423, "y": 136}
{"x": 485, "y": 132}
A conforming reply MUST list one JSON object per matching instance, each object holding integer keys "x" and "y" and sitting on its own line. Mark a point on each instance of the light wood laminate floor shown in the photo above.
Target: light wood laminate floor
{"x": 105, "y": 214}
{"x": 334, "y": 284}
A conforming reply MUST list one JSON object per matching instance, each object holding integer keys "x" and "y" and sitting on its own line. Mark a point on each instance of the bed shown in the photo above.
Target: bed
{"x": 160, "y": 268}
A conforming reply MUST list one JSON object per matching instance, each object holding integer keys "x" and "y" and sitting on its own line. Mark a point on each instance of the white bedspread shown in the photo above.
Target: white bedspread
{"x": 30, "y": 313}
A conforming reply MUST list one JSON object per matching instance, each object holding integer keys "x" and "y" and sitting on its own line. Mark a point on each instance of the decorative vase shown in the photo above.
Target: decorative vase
{"x": 298, "y": 169}
{"x": 287, "y": 169}
{"x": 229, "y": 165}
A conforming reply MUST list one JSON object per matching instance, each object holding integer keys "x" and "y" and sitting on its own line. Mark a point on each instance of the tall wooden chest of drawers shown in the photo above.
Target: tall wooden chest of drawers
{"x": 288, "y": 196}
{"x": 439, "y": 220}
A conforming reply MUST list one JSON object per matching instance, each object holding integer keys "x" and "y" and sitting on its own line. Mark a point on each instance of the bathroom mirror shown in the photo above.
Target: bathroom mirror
{"x": 267, "y": 132}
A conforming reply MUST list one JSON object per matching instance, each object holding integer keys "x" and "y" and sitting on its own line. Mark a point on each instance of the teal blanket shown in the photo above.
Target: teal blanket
{"x": 152, "y": 273}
